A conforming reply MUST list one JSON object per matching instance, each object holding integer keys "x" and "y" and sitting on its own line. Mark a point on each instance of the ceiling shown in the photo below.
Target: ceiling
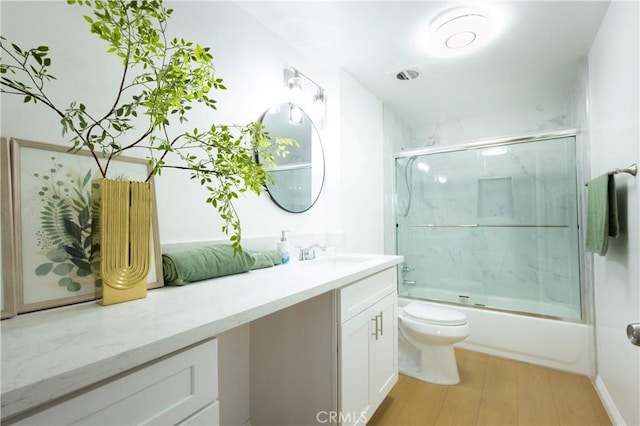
{"x": 534, "y": 56}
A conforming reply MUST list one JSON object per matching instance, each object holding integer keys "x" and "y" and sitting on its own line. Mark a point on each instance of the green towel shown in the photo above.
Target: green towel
{"x": 266, "y": 259}
{"x": 602, "y": 214}
{"x": 201, "y": 263}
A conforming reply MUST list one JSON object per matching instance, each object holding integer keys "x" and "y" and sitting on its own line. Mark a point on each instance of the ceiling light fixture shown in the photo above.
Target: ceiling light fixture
{"x": 460, "y": 30}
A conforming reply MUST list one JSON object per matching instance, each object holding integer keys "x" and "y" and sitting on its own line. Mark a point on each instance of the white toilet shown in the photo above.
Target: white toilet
{"x": 426, "y": 337}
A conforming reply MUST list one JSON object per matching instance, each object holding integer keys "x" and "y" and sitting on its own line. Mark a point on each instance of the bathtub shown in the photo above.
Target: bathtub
{"x": 474, "y": 295}
{"x": 563, "y": 345}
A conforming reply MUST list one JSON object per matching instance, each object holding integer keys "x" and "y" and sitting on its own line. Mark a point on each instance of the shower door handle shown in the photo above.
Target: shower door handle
{"x": 633, "y": 333}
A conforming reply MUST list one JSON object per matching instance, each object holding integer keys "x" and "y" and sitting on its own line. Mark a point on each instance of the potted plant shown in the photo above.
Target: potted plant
{"x": 160, "y": 80}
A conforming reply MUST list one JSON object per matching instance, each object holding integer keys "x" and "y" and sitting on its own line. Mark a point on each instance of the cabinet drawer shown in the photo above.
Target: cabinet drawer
{"x": 165, "y": 392}
{"x": 356, "y": 297}
{"x": 208, "y": 416}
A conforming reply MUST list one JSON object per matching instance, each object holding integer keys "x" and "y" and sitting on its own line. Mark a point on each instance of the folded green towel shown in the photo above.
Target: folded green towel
{"x": 266, "y": 259}
{"x": 201, "y": 263}
{"x": 602, "y": 214}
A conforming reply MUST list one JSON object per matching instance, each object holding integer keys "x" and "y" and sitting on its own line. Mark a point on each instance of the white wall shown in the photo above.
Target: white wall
{"x": 615, "y": 142}
{"x": 362, "y": 176}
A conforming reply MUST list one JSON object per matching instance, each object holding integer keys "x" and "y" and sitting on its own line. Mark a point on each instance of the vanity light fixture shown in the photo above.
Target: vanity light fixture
{"x": 305, "y": 93}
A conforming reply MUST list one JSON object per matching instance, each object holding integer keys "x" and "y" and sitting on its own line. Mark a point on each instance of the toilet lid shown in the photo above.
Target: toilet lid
{"x": 434, "y": 315}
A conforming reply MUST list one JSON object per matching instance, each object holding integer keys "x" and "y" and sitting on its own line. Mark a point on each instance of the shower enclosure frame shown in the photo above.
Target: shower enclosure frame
{"x": 585, "y": 262}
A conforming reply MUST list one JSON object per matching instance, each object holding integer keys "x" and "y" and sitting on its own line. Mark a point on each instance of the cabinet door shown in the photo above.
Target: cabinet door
{"x": 354, "y": 367}
{"x": 384, "y": 350}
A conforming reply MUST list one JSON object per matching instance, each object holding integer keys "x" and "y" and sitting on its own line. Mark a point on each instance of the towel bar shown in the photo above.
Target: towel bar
{"x": 632, "y": 170}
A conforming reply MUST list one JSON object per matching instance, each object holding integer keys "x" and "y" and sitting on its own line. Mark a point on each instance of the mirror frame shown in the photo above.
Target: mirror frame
{"x": 314, "y": 197}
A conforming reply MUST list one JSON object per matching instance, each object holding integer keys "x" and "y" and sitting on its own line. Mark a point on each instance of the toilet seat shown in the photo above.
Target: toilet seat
{"x": 434, "y": 315}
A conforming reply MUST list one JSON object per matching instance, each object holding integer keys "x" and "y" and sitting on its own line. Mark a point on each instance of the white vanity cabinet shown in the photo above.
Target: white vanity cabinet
{"x": 181, "y": 388}
{"x": 329, "y": 360}
{"x": 368, "y": 345}
{"x": 316, "y": 343}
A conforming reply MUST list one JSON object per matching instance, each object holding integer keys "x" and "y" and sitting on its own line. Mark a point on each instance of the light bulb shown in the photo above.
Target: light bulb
{"x": 295, "y": 114}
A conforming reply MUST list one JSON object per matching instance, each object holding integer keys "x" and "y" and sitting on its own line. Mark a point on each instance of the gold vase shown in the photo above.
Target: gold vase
{"x": 124, "y": 229}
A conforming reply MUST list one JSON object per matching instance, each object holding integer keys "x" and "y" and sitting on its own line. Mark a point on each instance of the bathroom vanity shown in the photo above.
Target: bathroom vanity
{"x": 350, "y": 332}
{"x": 323, "y": 349}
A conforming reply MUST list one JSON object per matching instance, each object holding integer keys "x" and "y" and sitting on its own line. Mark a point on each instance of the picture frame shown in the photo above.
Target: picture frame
{"x": 51, "y": 205}
{"x": 7, "y": 300}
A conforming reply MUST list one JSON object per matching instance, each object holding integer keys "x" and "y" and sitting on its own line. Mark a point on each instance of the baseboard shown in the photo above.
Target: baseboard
{"x": 607, "y": 401}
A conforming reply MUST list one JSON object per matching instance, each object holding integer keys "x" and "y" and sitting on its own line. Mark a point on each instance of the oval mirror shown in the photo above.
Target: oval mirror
{"x": 299, "y": 176}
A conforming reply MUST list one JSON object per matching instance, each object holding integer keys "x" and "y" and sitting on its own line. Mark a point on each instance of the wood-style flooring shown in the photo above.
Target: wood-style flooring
{"x": 494, "y": 391}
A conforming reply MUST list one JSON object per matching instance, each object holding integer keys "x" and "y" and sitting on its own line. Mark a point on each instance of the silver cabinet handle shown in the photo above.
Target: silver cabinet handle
{"x": 375, "y": 333}
{"x": 378, "y": 326}
{"x": 633, "y": 333}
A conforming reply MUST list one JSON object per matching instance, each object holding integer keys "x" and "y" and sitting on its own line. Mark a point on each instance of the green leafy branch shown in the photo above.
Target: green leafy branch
{"x": 160, "y": 81}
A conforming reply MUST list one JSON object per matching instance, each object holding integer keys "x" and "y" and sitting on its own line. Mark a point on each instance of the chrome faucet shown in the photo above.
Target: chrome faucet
{"x": 309, "y": 253}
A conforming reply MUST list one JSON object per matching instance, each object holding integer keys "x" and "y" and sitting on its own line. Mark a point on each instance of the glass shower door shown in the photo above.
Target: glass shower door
{"x": 492, "y": 226}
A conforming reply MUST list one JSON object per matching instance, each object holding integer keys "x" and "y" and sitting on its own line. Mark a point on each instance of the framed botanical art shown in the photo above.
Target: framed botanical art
{"x": 7, "y": 300}
{"x": 52, "y": 193}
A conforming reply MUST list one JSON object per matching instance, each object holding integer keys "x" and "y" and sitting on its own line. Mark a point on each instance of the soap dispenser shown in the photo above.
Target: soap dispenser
{"x": 283, "y": 248}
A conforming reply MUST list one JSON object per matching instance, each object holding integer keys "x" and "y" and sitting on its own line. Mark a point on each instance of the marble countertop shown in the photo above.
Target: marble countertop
{"x": 51, "y": 353}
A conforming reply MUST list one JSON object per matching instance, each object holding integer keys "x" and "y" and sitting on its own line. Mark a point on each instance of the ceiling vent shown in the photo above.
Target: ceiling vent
{"x": 408, "y": 73}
